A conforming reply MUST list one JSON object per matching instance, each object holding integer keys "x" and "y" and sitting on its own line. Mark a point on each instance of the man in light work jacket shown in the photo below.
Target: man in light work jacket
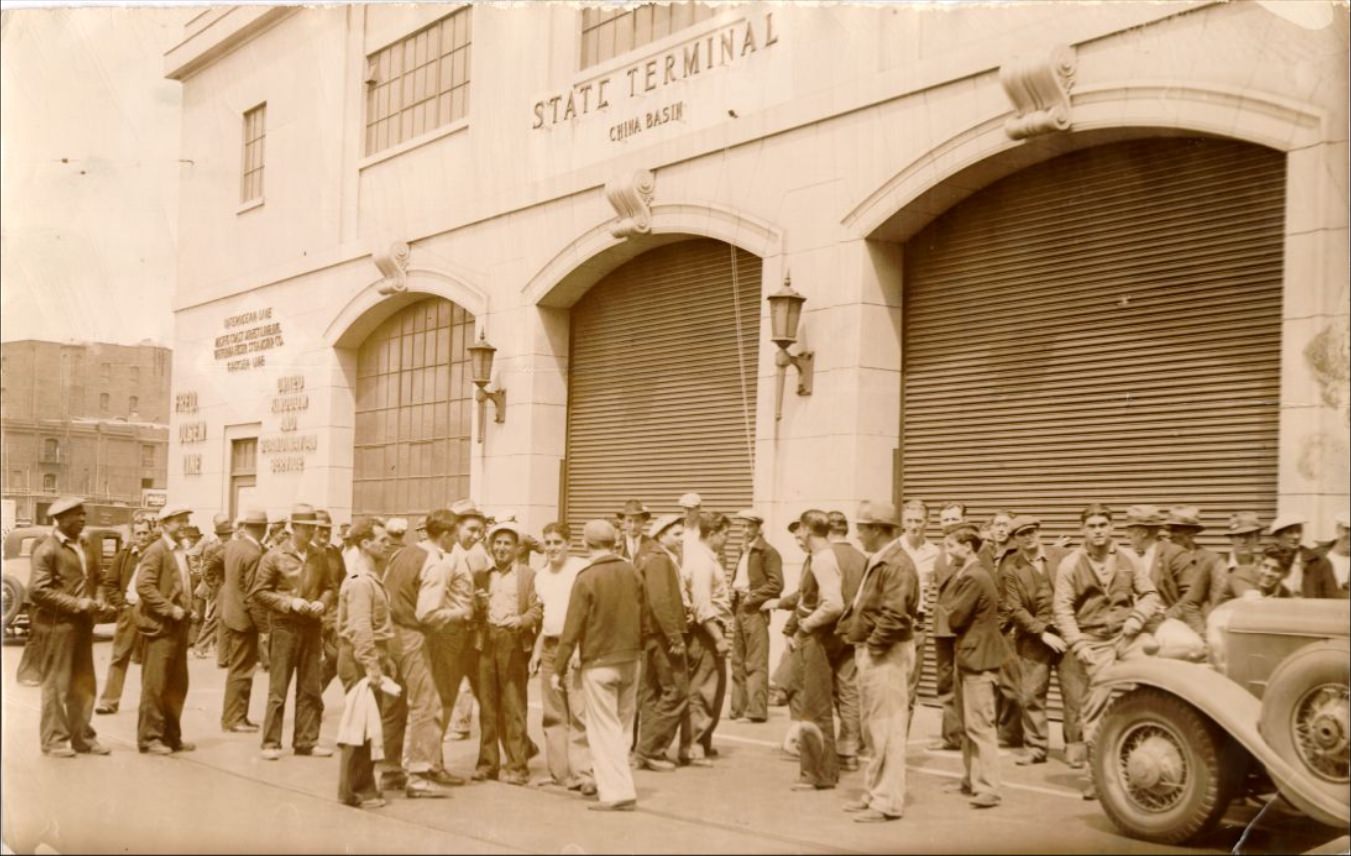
{"x": 758, "y": 578}
{"x": 241, "y": 621}
{"x": 164, "y": 617}
{"x": 64, "y": 613}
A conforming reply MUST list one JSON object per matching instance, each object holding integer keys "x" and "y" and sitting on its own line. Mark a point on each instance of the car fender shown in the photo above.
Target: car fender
{"x": 1238, "y": 712}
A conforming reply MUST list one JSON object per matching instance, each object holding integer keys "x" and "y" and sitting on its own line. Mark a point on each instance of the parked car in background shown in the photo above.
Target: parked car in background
{"x": 18, "y": 569}
{"x": 1181, "y": 740}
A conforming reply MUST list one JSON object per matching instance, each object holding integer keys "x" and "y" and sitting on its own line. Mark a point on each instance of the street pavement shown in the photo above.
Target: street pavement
{"x": 225, "y": 798}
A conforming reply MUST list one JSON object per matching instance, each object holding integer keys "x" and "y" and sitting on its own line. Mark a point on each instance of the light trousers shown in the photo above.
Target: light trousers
{"x": 884, "y": 708}
{"x": 611, "y": 697}
{"x": 980, "y": 741}
{"x": 565, "y": 746}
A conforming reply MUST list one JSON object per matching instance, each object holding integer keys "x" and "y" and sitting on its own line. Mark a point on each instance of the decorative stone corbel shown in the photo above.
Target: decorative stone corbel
{"x": 1039, "y": 87}
{"x": 631, "y": 196}
{"x": 393, "y": 265}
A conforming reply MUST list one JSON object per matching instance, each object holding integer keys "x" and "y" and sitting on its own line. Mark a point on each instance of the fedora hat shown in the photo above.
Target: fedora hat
{"x": 65, "y": 504}
{"x": 1243, "y": 522}
{"x": 220, "y": 524}
{"x": 325, "y": 521}
{"x": 662, "y": 523}
{"x": 634, "y": 508}
{"x": 303, "y": 514}
{"x": 275, "y": 518}
{"x": 1144, "y": 515}
{"x": 1184, "y": 517}
{"x": 1285, "y": 521}
{"x": 877, "y": 513}
{"x": 254, "y": 517}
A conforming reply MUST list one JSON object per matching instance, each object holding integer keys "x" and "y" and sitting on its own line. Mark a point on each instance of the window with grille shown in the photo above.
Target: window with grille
{"x": 610, "y": 31}
{"x": 418, "y": 84}
{"x": 251, "y": 176}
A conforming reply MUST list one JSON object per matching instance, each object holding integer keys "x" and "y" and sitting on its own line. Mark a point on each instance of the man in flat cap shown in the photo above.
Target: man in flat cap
{"x": 65, "y": 608}
{"x": 1311, "y": 572}
{"x": 691, "y": 504}
{"x": 117, "y": 579}
{"x": 604, "y": 623}
{"x": 633, "y": 518}
{"x": 243, "y": 621}
{"x": 293, "y": 582}
{"x": 163, "y": 583}
{"x": 758, "y": 578}
{"x": 665, "y": 693}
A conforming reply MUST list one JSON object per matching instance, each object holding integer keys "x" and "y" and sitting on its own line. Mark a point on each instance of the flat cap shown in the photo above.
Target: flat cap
{"x": 662, "y": 523}
{"x": 64, "y": 504}
{"x": 690, "y": 500}
{"x": 504, "y": 526}
{"x": 750, "y": 514}
{"x": 1023, "y": 521}
{"x": 1144, "y": 515}
{"x": 396, "y": 526}
{"x": 171, "y": 511}
{"x": 466, "y": 508}
{"x": 599, "y": 532}
{"x": 877, "y": 513}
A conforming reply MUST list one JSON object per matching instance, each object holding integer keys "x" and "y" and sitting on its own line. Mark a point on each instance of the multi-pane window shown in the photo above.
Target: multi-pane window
{"x": 49, "y": 483}
{"x": 610, "y": 31}
{"x": 419, "y": 83}
{"x": 255, "y": 132}
{"x": 147, "y": 456}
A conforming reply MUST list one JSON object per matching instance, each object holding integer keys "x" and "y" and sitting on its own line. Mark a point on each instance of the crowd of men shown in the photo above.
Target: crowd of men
{"x": 632, "y": 641}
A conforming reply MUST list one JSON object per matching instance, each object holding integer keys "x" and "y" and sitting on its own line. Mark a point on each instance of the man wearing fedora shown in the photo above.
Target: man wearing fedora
{"x": 633, "y": 520}
{"x": 1245, "y": 538}
{"x": 294, "y": 584}
{"x": 1184, "y": 580}
{"x": 665, "y": 691}
{"x": 1027, "y": 581}
{"x": 758, "y": 578}
{"x": 117, "y": 579}
{"x": 881, "y": 626}
{"x": 1311, "y": 572}
{"x": 241, "y": 620}
{"x": 65, "y": 607}
{"x": 164, "y": 586}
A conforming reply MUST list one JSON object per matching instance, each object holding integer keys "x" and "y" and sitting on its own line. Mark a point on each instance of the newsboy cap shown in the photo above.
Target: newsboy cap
{"x": 662, "y": 523}
{"x": 690, "y": 500}
{"x": 466, "y": 508}
{"x": 1144, "y": 515}
{"x": 750, "y": 514}
{"x": 65, "y": 504}
{"x": 872, "y": 513}
{"x": 1023, "y": 521}
{"x": 505, "y": 526}
{"x": 396, "y": 526}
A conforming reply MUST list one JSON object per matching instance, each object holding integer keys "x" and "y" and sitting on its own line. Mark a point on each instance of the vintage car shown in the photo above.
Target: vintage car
{"x": 1181, "y": 740}
{"x": 18, "y": 552}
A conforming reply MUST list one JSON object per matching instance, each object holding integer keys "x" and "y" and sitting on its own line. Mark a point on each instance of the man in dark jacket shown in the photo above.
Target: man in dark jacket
{"x": 241, "y": 621}
{"x": 633, "y": 518}
{"x": 1183, "y": 582}
{"x": 758, "y": 578}
{"x": 64, "y": 612}
{"x": 117, "y": 578}
{"x": 972, "y": 607}
{"x": 164, "y": 616}
{"x": 1027, "y": 580}
{"x": 665, "y": 674}
{"x": 881, "y": 626}
{"x": 605, "y": 623}
{"x": 337, "y": 571}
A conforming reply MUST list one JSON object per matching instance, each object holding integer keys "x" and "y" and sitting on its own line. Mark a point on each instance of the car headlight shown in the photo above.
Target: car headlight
{"x": 1217, "y": 635}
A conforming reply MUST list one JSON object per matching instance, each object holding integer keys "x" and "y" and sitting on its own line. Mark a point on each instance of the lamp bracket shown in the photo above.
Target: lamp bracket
{"x": 803, "y": 360}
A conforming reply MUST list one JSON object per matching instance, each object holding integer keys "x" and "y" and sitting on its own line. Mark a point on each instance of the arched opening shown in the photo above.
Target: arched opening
{"x": 662, "y": 382}
{"x": 413, "y": 411}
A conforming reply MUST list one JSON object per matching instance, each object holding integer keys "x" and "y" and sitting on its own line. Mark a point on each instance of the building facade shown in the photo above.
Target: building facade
{"x": 85, "y": 418}
{"x": 1048, "y": 255}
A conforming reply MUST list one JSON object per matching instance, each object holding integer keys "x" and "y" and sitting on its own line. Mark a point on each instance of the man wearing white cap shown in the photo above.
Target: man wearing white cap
{"x": 604, "y": 622}
{"x": 64, "y": 613}
{"x": 692, "y": 505}
{"x": 163, "y": 614}
{"x": 758, "y": 578}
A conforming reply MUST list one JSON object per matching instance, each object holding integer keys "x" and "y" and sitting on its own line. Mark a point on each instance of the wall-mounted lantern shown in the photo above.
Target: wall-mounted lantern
{"x": 481, "y": 371}
{"x": 785, "y": 313}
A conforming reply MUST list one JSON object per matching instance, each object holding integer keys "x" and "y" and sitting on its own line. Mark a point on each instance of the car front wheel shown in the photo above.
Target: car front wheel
{"x": 13, "y": 595}
{"x": 1163, "y": 772}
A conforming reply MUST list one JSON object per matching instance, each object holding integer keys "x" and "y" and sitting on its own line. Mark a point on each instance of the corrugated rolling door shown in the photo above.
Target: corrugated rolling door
{"x": 1106, "y": 327}
{"x": 662, "y": 379}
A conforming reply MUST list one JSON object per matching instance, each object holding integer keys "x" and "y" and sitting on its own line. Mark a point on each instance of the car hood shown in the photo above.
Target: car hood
{"x": 1327, "y": 619}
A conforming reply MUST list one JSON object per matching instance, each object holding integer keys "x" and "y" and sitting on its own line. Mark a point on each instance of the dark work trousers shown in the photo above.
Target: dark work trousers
{"x": 30, "y": 664}
{"x": 1009, "y": 695}
{"x": 164, "y": 687}
{"x": 125, "y": 640}
{"x": 241, "y": 653}
{"x": 329, "y": 671}
{"x": 222, "y": 652}
{"x": 1037, "y": 663}
{"x": 502, "y": 686}
{"x": 945, "y": 663}
{"x": 845, "y": 686}
{"x": 356, "y": 770}
{"x": 818, "y": 762}
{"x": 68, "y": 684}
{"x": 666, "y": 698}
{"x": 208, "y": 631}
{"x": 451, "y": 655}
{"x": 708, "y": 689}
{"x": 750, "y": 662}
{"x": 788, "y": 678}
{"x": 297, "y": 647}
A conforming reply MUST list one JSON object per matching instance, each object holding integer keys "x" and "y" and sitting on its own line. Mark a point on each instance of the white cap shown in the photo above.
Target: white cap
{"x": 690, "y": 500}
{"x": 396, "y": 526}
{"x": 1285, "y": 521}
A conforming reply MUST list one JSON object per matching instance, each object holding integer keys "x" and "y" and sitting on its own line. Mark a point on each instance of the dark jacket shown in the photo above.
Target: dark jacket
{"x": 852, "y": 563}
{"x": 58, "y": 581}
{"x": 241, "y": 566}
{"x": 117, "y": 576}
{"x": 764, "y": 570}
{"x": 1319, "y": 579}
{"x": 944, "y": 573}
{"x": 973, "y": 613}
{"x": 887, "y": 602}
{"x": 1025, "y": 604}
{"x": 1182, "y": 578}
{"x": 159, "y": 584}
{"x": 663, "y": 610}
{"x": 283, "y": 575}
{"x": 604, "y": 616}
{"x": 1244, "y": 580}
{"x": 645, "y": 543}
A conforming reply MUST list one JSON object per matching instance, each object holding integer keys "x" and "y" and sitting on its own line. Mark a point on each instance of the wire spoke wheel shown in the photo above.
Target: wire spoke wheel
{"x": 1319, "y": 723}
{"x": 1152, "y": 767}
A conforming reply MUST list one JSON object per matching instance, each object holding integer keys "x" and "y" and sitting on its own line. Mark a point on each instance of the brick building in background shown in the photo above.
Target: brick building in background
{"x": 85, "y": 418}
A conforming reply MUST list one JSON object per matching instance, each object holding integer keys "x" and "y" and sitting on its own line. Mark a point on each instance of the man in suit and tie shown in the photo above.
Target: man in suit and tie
{"x": 164, "y": 617}
{"x": 241, "y": 621}
{"x": 117, "y": 578}
{"x": 64, "y": 613}
{"x": 634, "y": 519}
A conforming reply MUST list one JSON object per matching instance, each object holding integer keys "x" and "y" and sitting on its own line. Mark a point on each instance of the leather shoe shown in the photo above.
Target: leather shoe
{"x": 849, "y": 765}
{"x": 700, "y": 762}
{"x": 393, "y": 780}
{"x": 658, "y": 765}
{"x": 95, "y": 748}
{"x": 447, "y": 778}
{"x": 871, "y": 816}
{"x": 808, "y": 786}
{"x": 985, "y": 801}
{"x": 63, "y": 752}
{"x": 588, "y": 789}
{"x": 106, "y": 708}
{"x": 622, "y": 805}
{"x": 242, "y": 728}
{"x": 484, "y": 775}
{"x": 271, "y": 753}
{"x": 856, "y": 806}
{"x": 185, "y": 746}
{"x": 373, "y": 802}
{"x": 943, "y": 746}
{"x": 316, "y": 752}
{"x": 1090, "y": 792}
{"x": 514, "y": 779}
{"x": 963, "y": 788}
{"x": 1030, "y": 759}
{"x": 420, "y": 788}
{"x": 158, "y": 748}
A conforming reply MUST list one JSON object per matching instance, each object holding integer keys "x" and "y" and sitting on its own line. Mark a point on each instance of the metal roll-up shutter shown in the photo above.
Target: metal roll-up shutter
{"x": 662, "y": 378}
{"x": 1105, "y": 327}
